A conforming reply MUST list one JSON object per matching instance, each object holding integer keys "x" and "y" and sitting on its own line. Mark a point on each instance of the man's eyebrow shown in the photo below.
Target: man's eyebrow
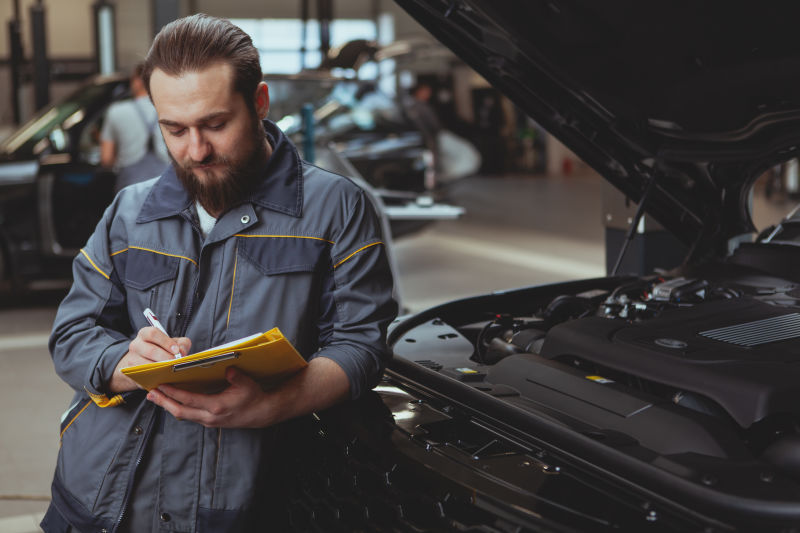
{"x": 204, "y": 118}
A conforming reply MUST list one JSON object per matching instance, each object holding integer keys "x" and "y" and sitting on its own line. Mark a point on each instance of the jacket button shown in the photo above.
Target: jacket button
{"x": 165, "y": 517}
{"x": 137, "y": 430}
{"x": 178, "y": 315}
{"x": 245, "y": 219}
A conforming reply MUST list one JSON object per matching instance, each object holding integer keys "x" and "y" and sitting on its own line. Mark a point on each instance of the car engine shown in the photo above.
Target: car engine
{"x": 679, "y": 365}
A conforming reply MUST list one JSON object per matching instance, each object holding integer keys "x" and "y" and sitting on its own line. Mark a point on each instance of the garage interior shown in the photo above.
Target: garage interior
{"x": 531, "y": 213}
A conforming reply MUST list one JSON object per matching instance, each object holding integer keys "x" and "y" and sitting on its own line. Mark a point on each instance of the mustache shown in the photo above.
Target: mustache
{"x": 212, "y": 159}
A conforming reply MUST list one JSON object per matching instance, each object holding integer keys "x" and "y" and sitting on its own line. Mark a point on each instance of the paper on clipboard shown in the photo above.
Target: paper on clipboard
{"x": 266, "y": 357}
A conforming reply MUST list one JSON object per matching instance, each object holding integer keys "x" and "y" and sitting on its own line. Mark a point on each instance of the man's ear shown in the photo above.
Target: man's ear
{"x": 262, "y": 100}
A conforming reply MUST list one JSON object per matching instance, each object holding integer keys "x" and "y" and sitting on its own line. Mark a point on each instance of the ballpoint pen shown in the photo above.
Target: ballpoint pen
{"x": 153, "y": 319}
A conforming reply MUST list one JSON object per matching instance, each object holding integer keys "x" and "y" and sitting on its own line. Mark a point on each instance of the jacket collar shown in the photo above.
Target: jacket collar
{"x": 281, "y": 189}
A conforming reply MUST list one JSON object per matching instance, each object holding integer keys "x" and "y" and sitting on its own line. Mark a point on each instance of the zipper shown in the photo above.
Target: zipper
{"x": 190, "y": 307}
{"x": 193, "y": 296}
{"x": 139, "y": 457}
{"x": 216, "y": 463}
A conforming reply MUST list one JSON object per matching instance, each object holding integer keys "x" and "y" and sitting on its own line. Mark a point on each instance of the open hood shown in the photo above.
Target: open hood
{"x": 682, "y": 103}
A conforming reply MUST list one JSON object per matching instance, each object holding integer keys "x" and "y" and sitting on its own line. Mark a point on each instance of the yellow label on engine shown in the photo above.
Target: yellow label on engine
{"x": 600, "y": 379}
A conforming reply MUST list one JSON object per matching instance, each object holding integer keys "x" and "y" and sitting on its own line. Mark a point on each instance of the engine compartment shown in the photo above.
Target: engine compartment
{"x": 683, "y": 367}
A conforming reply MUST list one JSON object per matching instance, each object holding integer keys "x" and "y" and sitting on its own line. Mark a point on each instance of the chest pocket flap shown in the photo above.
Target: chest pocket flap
{"x": 145, "y": 268}
{"x": 281, "y": 254}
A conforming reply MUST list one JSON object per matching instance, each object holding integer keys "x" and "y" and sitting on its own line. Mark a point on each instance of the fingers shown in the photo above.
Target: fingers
{"x": 185, "y": 345}
{"x": 237, "y": 377}
{"x": 179, "y": 410}
{"x": 229, "y": 408}
{"x": 153, "y": 345}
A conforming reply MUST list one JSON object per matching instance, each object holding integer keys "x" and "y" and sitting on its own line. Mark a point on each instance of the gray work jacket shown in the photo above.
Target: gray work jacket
{"x": 304, "y": 254}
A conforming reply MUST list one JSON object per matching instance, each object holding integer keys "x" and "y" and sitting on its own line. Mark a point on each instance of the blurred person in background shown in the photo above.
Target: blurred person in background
{"x": 131, "y": 141}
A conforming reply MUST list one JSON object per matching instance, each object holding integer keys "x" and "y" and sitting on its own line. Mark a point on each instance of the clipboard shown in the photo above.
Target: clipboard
{"x": 266, "y": 357}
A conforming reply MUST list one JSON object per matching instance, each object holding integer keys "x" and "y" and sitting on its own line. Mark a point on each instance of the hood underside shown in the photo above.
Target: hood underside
{"x": 693, "y": 99}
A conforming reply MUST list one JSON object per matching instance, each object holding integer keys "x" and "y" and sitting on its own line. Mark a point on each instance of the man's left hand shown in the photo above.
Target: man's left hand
{"x": 244, "y": 404}
{"x": 241, "y": 404}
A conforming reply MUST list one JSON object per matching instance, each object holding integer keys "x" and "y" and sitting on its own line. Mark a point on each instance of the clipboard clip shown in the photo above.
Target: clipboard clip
{"x": 209, "y": 361}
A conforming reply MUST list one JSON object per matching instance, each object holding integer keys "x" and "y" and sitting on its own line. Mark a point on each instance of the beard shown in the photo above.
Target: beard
{"x": 218, "y": 194}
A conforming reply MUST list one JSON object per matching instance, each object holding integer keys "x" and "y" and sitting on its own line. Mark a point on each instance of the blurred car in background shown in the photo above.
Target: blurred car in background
{"x": 361, "y": 132}
{"x": 53, "y": 189}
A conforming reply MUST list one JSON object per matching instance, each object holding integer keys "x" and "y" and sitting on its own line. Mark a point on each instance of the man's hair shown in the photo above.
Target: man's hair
{"x": 193, "y": 43}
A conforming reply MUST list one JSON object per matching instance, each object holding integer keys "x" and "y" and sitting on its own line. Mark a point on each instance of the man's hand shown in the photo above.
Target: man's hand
{"x": 239, "y": 405}
{"x": 244, "y": 404}
{"x": 149, "y": 346}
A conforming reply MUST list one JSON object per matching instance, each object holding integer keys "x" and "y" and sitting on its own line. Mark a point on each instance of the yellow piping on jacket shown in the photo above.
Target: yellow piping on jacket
{"x": 285, "y": 237}
{"x": 155, "y": 252}
{"x": 354, "y": 253}
{"x": 74, "y": 418}
{"x": 93, "y": 264}
{"x": 233, "y": 284}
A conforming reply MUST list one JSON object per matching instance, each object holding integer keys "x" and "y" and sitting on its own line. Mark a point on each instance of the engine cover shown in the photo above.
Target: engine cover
{"x": 743, "y": 353}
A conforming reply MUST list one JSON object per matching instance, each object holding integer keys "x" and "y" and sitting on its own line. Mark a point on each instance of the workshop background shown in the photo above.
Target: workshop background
{"x": 522, "y": 210}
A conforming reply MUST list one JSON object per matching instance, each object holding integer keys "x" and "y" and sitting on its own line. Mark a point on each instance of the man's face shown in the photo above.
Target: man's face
{"x": 214, "y": 138}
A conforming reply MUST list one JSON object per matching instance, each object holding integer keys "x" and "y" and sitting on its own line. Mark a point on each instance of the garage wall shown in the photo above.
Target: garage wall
{"x": 71, "y": 34}
{"x": 404, "y": 24}
{"x": 67, "y": 22}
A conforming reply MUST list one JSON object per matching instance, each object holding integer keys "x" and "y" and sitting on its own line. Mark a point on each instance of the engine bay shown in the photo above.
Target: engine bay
{"x": 680, "y": 366}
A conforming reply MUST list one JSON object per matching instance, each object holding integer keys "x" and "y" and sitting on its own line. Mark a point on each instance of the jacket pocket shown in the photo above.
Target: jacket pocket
{"x": 96, "y": 450}
{"x": 283, "y": 254}
{"x": 279, "y": 282}
{"x": 149, "y": 278}
{"x": 146, "y": 268}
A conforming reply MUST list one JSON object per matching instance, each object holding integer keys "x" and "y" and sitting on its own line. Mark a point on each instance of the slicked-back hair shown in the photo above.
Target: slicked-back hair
{"x": 193, "y": 43}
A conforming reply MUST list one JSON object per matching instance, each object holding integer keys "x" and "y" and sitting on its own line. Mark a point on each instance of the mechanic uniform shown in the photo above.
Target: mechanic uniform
{"x": 304, "y": 253}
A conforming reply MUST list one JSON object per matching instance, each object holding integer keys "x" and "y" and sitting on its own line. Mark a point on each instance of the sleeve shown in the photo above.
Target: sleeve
{"x": 91, "y": 331}
{"x": 362, "y": 299}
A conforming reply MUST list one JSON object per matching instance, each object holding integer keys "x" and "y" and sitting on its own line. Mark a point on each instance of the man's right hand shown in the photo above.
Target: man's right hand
{"x": 149, "y": 346}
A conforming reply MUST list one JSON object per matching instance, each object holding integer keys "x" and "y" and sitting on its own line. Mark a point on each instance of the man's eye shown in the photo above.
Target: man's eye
{"x": 176, "y": 132}
{"x": 216, "y": 125}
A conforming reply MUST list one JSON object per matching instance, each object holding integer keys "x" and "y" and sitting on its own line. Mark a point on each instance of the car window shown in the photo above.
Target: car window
{"x": 89, "y": 140}
{"x": 51, "y": 123}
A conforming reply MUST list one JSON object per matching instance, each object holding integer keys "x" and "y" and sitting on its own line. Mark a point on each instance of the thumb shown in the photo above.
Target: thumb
{"x": 236, "y": 376}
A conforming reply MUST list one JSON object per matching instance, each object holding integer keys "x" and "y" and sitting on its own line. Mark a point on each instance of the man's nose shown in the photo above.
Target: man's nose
{"x": 199, "y": 148}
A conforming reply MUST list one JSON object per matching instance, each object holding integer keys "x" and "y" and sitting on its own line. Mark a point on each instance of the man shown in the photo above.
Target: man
{"x": 130, "y": 141}
{"x": 239, "y": 236}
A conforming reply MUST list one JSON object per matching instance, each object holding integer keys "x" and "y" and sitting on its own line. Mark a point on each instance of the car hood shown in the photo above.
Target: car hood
{"x": 683, "y": 104}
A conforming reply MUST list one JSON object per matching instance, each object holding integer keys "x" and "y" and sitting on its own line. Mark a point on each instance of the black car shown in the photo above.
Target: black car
{"x": 52, "y": 187}
{"x": 661, "y": 402}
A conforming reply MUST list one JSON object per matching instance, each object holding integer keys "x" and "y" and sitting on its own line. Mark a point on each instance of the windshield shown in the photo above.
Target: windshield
{"x": 53, "y": 121}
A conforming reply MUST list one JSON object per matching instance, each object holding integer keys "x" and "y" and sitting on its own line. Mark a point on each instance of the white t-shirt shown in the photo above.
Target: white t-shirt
{"x": 207, "y": 222}
{"x": 123, "y": 125}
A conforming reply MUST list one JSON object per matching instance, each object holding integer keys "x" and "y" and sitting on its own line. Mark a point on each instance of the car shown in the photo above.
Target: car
{"x": 362, "y": 132}
{"x": 53, "y": 190}
{"x": 52, "y": 187}
{"x": 658, "y": 401}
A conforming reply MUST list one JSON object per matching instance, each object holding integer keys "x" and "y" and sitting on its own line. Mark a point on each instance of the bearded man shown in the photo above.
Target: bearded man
{"x": 238, "y": 237}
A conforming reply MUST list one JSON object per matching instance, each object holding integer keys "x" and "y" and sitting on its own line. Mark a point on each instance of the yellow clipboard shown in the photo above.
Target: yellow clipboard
{"x": 266, "y": 357}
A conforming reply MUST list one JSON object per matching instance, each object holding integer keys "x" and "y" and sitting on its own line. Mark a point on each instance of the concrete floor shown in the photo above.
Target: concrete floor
{"x": 518, "y": 230}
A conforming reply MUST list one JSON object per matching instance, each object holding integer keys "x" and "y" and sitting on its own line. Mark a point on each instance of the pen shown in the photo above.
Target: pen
{"x": 153, "y": 319}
